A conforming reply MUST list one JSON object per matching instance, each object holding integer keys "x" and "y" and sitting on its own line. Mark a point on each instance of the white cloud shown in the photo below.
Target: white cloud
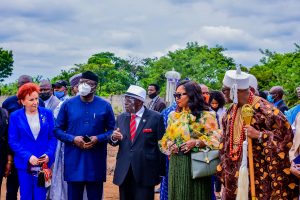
{"x": 47, "y": 36}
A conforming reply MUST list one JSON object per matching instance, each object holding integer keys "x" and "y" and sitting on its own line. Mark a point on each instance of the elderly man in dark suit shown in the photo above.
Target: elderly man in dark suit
{"x": 139, "y": 161}
{"x": 156, "y": 102}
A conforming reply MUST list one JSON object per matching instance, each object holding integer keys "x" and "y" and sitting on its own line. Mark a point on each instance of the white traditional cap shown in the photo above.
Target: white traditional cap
{"x": 253, "y": 82}
{"x": 136, "y": 92}
{"x": 236, "y": 79}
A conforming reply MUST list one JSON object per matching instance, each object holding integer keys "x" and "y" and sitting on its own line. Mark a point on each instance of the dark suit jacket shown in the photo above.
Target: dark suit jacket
{"x": 143, "y": 154}
{"x": 282, "y": 107}
{"x": 159, "y": 105}
{"x": 3, "y": 140}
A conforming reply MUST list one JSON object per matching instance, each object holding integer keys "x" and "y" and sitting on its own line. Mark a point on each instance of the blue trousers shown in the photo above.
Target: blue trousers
{"x": 94, "y": 190}
{"x": 29, "y": 186}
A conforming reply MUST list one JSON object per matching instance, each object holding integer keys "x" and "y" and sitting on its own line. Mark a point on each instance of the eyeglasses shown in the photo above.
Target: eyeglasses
{"x": 178, "y": 95}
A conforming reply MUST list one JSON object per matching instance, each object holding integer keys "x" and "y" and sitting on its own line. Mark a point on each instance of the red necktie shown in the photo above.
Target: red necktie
{"x": 132, "y": 127}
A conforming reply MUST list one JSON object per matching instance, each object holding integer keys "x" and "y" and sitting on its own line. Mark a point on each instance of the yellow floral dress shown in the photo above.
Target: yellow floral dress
{"x": 183, "y": 126}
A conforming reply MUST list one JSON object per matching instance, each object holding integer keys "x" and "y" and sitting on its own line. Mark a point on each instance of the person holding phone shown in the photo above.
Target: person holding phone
{"x": 84, "y": 124}
{"x": 31, "y": 138}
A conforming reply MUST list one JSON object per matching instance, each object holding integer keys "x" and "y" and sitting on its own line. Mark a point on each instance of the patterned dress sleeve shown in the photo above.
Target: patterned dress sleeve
{"x": 211, "y": 135}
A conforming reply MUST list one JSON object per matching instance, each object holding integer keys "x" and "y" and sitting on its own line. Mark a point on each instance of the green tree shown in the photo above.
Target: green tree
{"x": 115, "y": 74}
{"x": 199, "y": 63}
{"x": 9, "y": 89}
{"x": 279, "y": 69}
{"x": 6, "y": 64}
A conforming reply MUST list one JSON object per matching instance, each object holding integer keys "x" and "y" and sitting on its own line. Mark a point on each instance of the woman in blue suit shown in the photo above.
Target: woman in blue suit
{"x": 31, "y": 139}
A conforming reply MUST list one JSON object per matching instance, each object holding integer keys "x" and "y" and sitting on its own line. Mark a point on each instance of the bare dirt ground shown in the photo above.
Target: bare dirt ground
{"x": 110, "y": 190}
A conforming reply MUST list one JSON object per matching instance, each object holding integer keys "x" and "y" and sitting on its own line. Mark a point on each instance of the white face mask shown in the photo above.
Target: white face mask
{"x": 84, "y": 89}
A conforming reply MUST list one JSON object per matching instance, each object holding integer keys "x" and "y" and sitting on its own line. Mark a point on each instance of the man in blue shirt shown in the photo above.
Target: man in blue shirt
{"x": 275, "y": 97}
{"x": 85, "y": 123}
{"x": 60, "y": 90}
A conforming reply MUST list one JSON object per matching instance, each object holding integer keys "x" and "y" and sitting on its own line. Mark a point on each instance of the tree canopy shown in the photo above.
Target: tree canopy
{"x": 278, "y": 69}
{"x": 203, "y": 64}
{"x": 6, "y": 63}
{"x": 199, "y": 63}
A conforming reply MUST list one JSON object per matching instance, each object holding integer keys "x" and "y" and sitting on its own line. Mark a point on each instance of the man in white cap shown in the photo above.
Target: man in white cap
{"x": 271, "y": 137}
{"x": 139, "y": 161}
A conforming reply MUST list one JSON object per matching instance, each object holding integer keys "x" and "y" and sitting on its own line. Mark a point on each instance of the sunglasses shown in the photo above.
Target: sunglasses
{"x": 178, "y": 95}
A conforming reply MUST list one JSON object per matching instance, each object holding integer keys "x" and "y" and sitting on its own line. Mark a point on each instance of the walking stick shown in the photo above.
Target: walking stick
{"x": 251, "y": 169}
{"x": 247, "y": 115}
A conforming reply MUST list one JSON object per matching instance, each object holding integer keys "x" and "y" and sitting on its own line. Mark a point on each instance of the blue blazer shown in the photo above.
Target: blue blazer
{"x": 22, "y": 142}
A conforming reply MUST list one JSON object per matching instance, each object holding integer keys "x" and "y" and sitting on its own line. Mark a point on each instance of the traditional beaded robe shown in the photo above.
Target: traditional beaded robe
{"x": 271, "y": 162}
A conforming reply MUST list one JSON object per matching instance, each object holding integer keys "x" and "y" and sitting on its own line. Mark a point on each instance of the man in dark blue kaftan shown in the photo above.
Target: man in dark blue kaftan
{"x": 85, "y": 123}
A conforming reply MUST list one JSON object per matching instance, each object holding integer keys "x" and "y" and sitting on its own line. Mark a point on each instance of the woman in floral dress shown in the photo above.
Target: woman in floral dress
{"x": 190, "y": 128}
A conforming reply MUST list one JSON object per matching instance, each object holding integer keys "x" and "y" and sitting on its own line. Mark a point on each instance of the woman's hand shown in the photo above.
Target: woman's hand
{"x": 295, "y": 169}
{"x": 187, "y": 146}
{"x": 33, "y": 160}
{"x": 43, "y": 159}
{"x": 174, "y": 148}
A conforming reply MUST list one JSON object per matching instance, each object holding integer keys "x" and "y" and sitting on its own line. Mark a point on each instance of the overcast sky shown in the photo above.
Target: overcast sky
{"x": 47, "y": 36}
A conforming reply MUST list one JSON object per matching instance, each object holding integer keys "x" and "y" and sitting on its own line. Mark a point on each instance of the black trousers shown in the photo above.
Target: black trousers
{"x": 12, "y": 184}
{"x": 218, "y": 184}
{"x": 94, "y": 190}
{"x": 131, "y": 190}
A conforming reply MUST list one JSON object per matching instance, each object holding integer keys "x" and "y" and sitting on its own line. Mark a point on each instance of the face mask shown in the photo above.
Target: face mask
{"x": 45, "y": 96}
{"x": 84, "y": 89}
{"x": 206, "y": 98}
{"x": 59, "y": 94}
{"x": 270, "y": 99}
{"x": 152, "y": 96}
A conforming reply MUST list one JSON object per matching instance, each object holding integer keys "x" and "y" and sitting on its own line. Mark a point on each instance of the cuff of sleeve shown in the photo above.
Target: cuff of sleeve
{"x": 70, "y": 138}
{"x": 113, "y": 141}
{"x": 28, "y": 156}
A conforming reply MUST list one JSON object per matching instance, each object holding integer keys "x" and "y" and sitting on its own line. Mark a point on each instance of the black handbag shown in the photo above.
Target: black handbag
{"x": 204, "y": 163}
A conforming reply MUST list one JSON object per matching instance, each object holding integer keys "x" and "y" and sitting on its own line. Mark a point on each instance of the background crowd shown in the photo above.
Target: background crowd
{"x": 54, "y": 141}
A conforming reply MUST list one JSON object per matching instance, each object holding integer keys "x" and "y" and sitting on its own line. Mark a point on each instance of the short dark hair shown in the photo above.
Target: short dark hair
{"x": 219, "y": 97}
{"x": 157, "y": 88}
{"x": 196, "y": 102}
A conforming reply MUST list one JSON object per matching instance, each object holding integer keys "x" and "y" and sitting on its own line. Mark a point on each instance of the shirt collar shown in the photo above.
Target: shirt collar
{"x": 140, "y": 112}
